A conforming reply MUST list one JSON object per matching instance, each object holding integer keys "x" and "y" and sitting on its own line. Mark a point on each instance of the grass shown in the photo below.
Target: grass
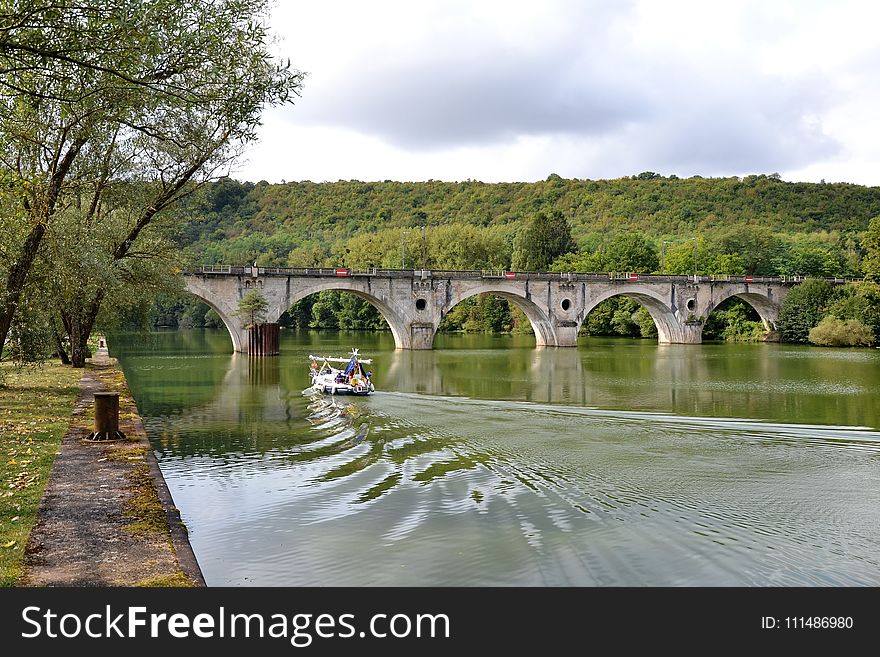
{"x": 35, "y": 406}
{"x": 143, "y": 508}
{"x": 178, "y": 580}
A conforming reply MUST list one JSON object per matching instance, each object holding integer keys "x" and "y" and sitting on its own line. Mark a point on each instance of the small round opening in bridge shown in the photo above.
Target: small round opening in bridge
{"x": 691, "y": 304}
{"x": 421, "y": 304}
{"x": 566, "y": 304}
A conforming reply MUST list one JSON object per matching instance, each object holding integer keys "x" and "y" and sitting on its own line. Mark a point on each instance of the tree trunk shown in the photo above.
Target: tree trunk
{"x": 16, "y": 279}
{"x": 62, "y": 353}
{"x": 78, "y": 322}
{"x": 40, "y": 214}
{"x": 77, "y": 342}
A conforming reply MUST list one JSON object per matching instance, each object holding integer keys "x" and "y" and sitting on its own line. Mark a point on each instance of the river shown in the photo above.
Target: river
{"x": 488, "y": 461}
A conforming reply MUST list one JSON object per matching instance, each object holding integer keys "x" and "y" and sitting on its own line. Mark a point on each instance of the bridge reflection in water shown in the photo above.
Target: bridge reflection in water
{"x": 622, "y": 462}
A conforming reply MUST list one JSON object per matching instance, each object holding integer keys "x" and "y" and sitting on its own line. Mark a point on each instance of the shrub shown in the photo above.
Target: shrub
{"x": 861, "y": 301}
{"x": 833, "y": 332}
{"x": 802, "y": 309}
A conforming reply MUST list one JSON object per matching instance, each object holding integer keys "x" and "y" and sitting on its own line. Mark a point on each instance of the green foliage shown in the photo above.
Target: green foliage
{"x": 454, "y": 246}
{"x": 871, "y": 245}
{"x": 859, "y": 301}
{"x": 108, "y": 117}
{"x": 598, "y": 322}
{"x": 31, "y": 339}
{"x": 630, "y": 252}
{"x": 325, "y": 311}
{"x": 814, "y": 304}
{"x": 810, "y": 255}
{"x": 620, "y": 316}
{"x": 299, "y": 315}
{"x": 734, "y": 321}
{"x": 803, "y": 309}
{"x": 620, "y": 253}
{"x": 757, "y": 246}
{"x": 484, "y": 313}
{"x": 833, "y": 332}
{"x": 544, "y": 237}
{"x": 252, "y": 308}
{"x": 312, "y": 220}
{"x": 166, "y": 309}
{"x": 211, "y": 319}
{"x": 647, "y": 327}
{"x": 337, "y": 310}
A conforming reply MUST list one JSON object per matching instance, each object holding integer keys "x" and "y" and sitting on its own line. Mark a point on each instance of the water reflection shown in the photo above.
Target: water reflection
{"x": 621, "y": 462}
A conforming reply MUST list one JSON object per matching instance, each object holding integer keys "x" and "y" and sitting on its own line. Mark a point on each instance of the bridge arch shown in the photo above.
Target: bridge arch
{"x": 232, "y": 324}
{"x": 669, "y": 328}
{"x": 399, "y": 329}
{"x": 767, "y": 308}
{"x": 540, "y": 320}
{"x": 237, "y": 334}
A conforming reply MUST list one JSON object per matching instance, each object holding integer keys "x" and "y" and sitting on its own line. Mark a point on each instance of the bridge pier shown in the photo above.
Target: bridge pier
{"x": 421, "y": 335}
{"x": 691, "y": 333}
{"x": 566, "y": 335}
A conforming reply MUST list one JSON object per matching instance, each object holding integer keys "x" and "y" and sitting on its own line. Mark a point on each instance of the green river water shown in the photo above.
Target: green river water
{"x": 488, "y": 461}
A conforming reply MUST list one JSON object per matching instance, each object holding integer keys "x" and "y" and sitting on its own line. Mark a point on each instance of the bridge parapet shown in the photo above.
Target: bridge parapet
{"x": 341, "y": 272}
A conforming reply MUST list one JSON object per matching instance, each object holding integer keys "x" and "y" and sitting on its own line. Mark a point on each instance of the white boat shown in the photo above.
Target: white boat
{"x": 353, "y": 379}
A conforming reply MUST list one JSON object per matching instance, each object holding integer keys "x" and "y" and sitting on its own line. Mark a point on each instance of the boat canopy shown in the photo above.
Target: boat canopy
{"x": 332, "y": 359}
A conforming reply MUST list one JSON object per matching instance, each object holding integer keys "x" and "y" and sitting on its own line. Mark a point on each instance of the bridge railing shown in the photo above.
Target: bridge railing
{"x": 226, "y": 270}
{"x": 215, "y": 269}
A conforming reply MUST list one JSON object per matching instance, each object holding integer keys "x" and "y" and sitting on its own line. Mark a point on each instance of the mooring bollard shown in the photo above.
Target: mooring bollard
{"x": 106, "y": 418}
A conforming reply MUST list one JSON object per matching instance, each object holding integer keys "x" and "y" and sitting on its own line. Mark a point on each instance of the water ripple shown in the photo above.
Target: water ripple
{"x": 594, "y": 496}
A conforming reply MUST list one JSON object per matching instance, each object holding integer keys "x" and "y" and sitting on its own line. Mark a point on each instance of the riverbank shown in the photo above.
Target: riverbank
{"x": 106, "y": 517}
{"x": 35, "y": 406}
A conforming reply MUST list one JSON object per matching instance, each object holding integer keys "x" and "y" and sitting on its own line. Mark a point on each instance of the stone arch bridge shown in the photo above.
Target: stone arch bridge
{"x": 414, "y": 302}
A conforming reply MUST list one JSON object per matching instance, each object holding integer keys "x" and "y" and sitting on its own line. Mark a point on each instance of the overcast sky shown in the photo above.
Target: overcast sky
{"x": 514, "y": 91}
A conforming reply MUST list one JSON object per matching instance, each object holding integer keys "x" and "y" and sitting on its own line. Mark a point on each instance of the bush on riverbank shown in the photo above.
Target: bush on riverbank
{"x": 804, "y": 308}
{"x": 833, "y": 332}
{"x": 814, "y": 304}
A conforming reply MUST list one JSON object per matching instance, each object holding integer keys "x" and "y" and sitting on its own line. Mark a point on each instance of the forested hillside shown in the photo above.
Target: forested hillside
{"x": 305, "y": 223}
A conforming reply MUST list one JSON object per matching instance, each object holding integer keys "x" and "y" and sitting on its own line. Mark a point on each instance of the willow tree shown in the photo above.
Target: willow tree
{"x": 152, "y": 95}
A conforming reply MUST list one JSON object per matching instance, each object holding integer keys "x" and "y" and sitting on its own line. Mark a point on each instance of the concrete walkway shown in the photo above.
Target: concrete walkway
{"x": 106, "y": 517}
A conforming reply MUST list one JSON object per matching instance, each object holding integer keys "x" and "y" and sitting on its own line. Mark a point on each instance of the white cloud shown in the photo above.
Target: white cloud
{"x": 516, "y": 90}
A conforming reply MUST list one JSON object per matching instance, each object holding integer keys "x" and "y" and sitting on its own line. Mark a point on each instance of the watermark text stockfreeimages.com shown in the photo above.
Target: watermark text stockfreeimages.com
{"x": 300, "y": 629}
